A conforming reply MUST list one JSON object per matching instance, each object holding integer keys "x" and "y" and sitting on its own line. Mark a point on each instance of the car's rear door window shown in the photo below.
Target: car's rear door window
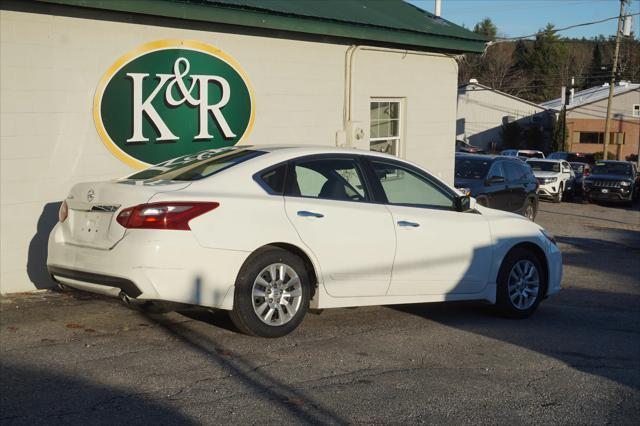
{"x": 327, "y": 178}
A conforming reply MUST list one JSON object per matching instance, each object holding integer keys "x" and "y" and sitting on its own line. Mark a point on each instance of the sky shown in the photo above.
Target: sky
{"x": 516, "y": 18}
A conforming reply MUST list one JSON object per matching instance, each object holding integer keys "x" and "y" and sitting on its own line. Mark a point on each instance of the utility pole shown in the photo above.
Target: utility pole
{"x": 612, "y": 82}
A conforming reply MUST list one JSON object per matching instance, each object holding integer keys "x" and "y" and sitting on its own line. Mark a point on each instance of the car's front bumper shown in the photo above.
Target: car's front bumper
{"x": 554, "y": 263}
{"x": 624, "y": 194}
{"x": 149, "y": 265}
{"x": 549, "y": 190}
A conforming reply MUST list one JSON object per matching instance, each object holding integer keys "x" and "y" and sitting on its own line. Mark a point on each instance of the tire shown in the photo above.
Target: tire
{"x": 516, "y": 299}
{"x": 530, "y": 211}
{"x": 282, "y": 303}
{"x": 558, "y": 197}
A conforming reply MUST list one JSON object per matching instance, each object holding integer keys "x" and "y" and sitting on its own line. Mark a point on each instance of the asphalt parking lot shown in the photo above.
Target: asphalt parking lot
{"x": 76, "y": 358}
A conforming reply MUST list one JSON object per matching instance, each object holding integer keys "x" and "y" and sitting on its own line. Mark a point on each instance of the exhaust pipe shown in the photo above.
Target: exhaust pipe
{"x": 125, "y": 298}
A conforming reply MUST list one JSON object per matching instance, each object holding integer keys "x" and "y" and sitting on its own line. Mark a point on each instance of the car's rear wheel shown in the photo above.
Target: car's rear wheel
{"x": 521, "y": 284}
{"x": 272, "y": 293}
{"x": 530, "y": 210}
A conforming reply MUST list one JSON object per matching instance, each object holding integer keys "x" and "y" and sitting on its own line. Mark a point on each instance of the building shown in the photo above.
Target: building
{"x": 96, "y": 90}
{"x": 586, "y": 115}
{"x": 482, "y": 112}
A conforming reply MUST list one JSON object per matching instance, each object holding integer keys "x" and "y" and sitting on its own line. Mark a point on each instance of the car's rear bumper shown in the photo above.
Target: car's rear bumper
{"x": 149, "y": 265}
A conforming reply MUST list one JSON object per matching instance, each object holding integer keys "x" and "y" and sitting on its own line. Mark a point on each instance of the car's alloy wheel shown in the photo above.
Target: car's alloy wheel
{"x": 271, "y": 294}
{"x": 521, "y": 283}
{"x": 277, "y": 294}
{"x": 558, "y": 198}
{"x": 529, "y": 211}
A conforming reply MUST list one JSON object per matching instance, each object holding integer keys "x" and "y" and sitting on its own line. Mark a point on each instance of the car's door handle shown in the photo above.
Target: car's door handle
{"x": 304, "y": 213}
{"x": 407, "y": 223}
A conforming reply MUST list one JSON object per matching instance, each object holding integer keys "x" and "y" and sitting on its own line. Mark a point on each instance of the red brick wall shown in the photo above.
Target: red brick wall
{"x": 631, "y": 130}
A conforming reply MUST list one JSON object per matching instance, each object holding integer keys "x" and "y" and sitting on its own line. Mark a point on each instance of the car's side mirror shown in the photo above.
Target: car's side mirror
{"x": 464, "y": 203}
{"x": 495, "y": 179}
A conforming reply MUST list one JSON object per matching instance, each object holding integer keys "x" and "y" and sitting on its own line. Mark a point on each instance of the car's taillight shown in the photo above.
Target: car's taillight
{"x": 585, "y": 172}
{"x": 169, "y": 215}
{"x": 63, "y": 212}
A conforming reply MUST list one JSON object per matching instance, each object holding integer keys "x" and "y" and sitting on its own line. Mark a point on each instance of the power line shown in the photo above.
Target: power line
{"x": 556, "y": 30}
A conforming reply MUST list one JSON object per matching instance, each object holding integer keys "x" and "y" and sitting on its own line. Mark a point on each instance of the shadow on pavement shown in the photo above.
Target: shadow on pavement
{"x": 296, "y": 403}
{"x": 591, "y": 331}
{"x": 32, "y": 396}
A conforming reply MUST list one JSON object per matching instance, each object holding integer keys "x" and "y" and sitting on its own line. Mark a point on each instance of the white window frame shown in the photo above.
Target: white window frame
{"x": 398, "y": 139}
{"x": 635, "y": 110}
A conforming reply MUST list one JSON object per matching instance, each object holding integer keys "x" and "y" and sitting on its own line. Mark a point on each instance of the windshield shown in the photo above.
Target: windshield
{"x": 468, "y": 168}
{"x": 196, "y": 166}
{"x": 544, "y": 166}
{"x": 612, "y": 169}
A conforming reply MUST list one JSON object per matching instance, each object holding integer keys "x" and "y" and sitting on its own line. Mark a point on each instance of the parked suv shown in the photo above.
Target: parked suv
{"x": 503, "y": 183}
{"x": 555, "y": 177}
{"x": 577, "y": 157}
{"x": 613, "y": 181}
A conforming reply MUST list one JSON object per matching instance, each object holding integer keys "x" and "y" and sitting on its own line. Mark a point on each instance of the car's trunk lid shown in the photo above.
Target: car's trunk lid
{"x": 93, "y": 208}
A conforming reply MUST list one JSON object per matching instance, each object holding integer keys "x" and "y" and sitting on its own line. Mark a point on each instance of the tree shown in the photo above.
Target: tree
{"x": 546, "y": 61}
{"x": 597, "y": 74}
{"x": 487, "y": 28}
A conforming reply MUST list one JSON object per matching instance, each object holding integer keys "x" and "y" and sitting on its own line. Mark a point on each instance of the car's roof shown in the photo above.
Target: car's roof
{"x": 547, "y": 160}
{"x": 486, "y": 157}
{"x": 529, "y": 150}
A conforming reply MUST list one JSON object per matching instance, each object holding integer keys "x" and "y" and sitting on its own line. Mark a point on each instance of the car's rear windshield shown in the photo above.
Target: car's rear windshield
{"x": 472, "y": 168}
{"x": 197, "y": 166}
{"x": 530, "y": 154}
{"x": 544, "y": 166}
{"x": 611, "y": 169}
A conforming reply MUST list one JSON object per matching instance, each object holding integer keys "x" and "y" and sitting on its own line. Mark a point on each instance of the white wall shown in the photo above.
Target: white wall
{"x": 481, "y": 112}
{"x": 50, "y": 66}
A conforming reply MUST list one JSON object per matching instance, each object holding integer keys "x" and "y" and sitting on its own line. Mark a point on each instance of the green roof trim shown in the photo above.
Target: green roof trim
{"x": 394, "y": 23}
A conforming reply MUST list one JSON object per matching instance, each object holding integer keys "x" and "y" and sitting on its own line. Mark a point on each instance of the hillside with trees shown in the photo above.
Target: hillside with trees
{"x": 537, "y": 69}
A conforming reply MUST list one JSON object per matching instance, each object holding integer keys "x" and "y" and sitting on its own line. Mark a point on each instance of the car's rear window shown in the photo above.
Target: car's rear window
{"x": 197, "y": 166}
{"x": 544, "y": 166}
{"x": 472, "y": 168}
{"x": 530, "y": 154}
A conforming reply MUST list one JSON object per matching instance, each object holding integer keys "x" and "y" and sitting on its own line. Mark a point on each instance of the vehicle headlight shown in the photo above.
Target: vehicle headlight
{"x": 549, "y": 180}
{"x": 625, "y": 183}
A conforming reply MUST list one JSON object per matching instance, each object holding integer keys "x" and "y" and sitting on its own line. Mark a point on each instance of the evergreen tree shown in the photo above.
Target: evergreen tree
{"x": 596, "y": 69}
{"x": 487, "y": 28}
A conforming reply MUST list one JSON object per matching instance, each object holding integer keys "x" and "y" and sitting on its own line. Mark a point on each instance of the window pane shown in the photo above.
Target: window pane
{"x": 394, "y": 130}
{"x": 385, "y": 110}
{"x": 375, "y": 111}
{"x": 394, "y": 109}
{"x": 389, "y": 146}
{"x": 373, "y": 131}
{"x": 403, "y": 186}
{"x": 384, "y": 129}
{"x": 274, "y": 179}
{"x": 333, "y": 179}
{"x": 496, "y": 170}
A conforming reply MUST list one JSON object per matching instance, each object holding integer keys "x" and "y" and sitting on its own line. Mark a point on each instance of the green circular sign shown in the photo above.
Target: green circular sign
{"x": 172, "y": 98}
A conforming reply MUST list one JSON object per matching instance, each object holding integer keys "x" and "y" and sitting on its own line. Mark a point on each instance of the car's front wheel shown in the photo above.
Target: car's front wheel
{"x": 558, "y": 197}
{"x": 272, "y": 293}
{"x": 521, "y": 283}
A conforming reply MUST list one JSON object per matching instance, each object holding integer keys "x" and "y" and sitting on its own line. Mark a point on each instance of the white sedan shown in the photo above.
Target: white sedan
{"x": 268, "y": 232}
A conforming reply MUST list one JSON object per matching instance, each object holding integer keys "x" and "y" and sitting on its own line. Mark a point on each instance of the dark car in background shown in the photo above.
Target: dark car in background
{"x": 582, "y": 171}
{"x": 462, "y": 146}
{"x": 503, "y": 183}
{"x": 613, "y": 181}
{"x": 573, "y": 157}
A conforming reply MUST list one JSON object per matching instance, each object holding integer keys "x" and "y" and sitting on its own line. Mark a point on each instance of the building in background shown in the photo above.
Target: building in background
{"x": 96, "y": 90}
{"x": 586, "y": 115}
{"x": 483, "y": 113}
